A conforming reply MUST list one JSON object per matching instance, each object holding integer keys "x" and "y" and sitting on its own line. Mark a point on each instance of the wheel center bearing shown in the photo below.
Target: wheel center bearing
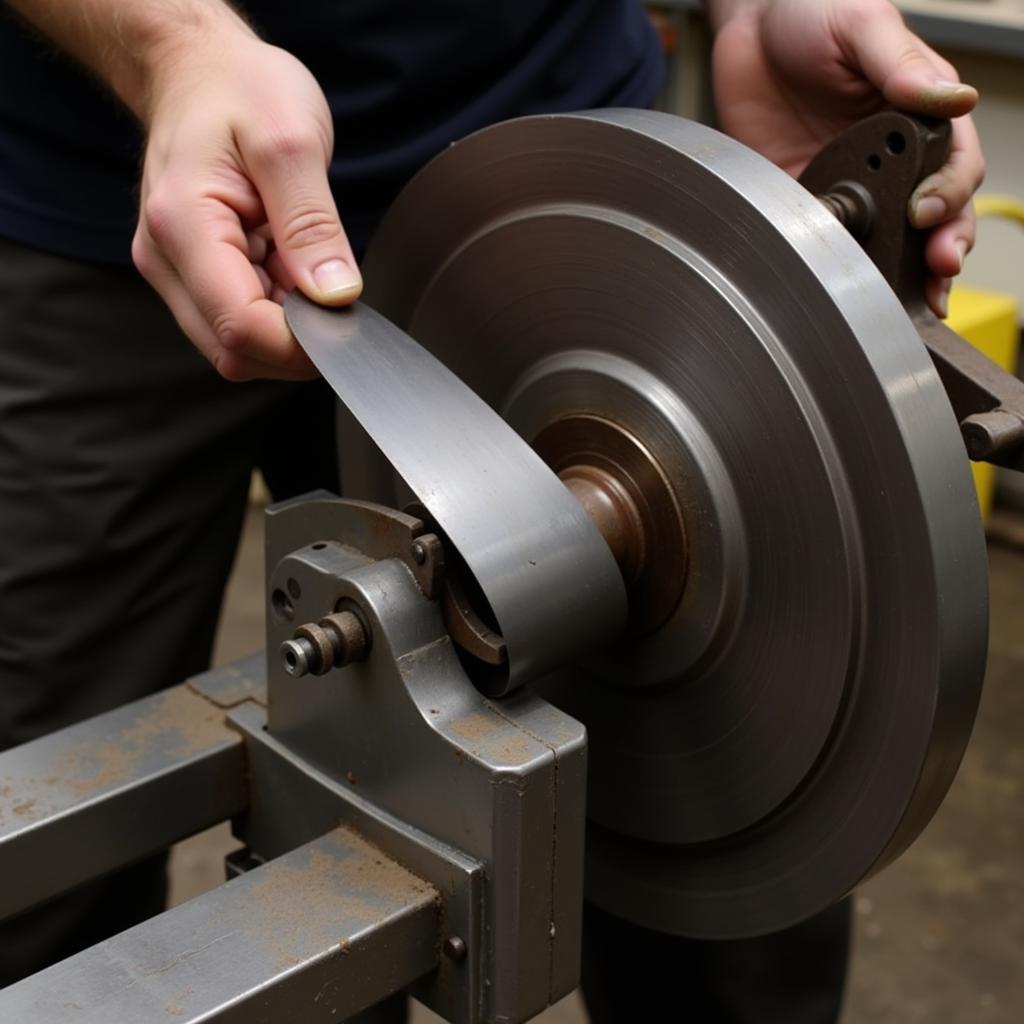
{"x": 632, "y": 503}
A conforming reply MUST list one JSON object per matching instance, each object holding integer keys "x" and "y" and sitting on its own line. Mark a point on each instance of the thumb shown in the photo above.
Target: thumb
{"x": 291, "y": 177}
{"x": 909, "y": 74}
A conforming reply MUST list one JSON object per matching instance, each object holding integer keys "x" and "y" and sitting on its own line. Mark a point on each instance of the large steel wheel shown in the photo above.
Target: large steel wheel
{"x": 805, "y": 660}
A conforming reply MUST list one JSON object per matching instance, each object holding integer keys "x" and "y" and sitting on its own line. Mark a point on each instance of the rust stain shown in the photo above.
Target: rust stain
{"x": 494, "y": 737}
{"x": 302, "y": 905}
{"x": 177, "y": 1007}
{"x": 474, "y": 726}
{"x": 177, "y": 724}
{"x": 519, "y": 750}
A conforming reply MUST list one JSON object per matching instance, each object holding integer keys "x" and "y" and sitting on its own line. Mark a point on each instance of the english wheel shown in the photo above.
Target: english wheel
{"x": 638, "y": 292}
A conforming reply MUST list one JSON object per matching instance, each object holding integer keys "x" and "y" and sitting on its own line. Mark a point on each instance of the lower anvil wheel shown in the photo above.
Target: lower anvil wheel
{"x": 790, "y": 716}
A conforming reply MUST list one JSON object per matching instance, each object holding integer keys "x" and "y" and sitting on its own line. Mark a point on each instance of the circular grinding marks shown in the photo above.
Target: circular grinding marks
{"x": 794, "y": 722}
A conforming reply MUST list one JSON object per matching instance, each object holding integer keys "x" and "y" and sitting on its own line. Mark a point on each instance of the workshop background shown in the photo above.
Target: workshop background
{"x": 940, "y": 935}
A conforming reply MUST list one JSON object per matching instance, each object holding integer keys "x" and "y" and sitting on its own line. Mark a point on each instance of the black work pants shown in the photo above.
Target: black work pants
{"x": 796, "y": 976}
{"x": 124, "y": 470}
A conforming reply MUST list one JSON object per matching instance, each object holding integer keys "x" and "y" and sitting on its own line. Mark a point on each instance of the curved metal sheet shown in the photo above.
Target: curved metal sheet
{"x": 547, "y": 573}
{"x": 797, "y": 721}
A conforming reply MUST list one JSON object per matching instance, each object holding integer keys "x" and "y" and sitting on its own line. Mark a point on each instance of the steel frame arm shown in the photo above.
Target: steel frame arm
{"x": 319, "y": 934}
{"x": 102, "y": 794}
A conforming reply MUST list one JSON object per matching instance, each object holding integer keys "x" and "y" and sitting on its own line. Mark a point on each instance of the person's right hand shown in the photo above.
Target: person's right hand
{"x": 792, "y": 74}
{"x": 235, "y": 205}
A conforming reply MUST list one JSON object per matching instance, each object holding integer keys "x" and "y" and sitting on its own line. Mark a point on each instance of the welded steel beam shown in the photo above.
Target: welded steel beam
{"x": 315, "y": 936}
{"x": 99, "y": 795}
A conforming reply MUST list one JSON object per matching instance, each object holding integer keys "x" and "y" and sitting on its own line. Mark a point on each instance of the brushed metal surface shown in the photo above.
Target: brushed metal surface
{"x": 109, "y": 791}
{"x": 547, "y": 573}
{"x": 317, "y": 935}
{"x": 797, "y": 721}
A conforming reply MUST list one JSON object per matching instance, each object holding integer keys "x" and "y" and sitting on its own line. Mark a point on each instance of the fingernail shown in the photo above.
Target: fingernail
{"x": 954, "y": 90}
{"x": 961, "y": 250}
{"x": 944, "y": 300}
{"x": 335, "y": 279}
{"x": 948, "y": 85}
{"x": 947, "y": 97}
{"x": 929, "y": 210}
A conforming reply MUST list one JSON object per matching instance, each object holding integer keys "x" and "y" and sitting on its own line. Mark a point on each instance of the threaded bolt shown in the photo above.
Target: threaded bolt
{"x": 334, "y": 642}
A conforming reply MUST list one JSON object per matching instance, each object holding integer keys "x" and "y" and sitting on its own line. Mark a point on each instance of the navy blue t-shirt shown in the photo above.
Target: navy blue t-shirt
{"x": 404, "y": 78}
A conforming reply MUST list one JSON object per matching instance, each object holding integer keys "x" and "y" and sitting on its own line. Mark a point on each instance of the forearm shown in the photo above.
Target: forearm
{"x": 127, "y": 43}
{"x": 720, "y": 11}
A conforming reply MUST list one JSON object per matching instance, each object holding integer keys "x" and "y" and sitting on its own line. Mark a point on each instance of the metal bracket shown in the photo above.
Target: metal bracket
{"x": 295, "y": 803}
{"x": 866, "y": 177}
{"x": 405, "y": 732}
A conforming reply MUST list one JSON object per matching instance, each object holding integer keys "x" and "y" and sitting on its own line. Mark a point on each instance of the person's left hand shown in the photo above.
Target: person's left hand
{"x": 791, "y": 74}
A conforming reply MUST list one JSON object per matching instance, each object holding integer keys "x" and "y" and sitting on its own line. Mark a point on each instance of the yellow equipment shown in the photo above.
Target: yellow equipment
{"x": 988, "y": 320}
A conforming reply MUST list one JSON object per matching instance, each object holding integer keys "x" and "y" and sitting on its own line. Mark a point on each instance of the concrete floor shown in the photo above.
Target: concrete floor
{"x": 939, "y": 935}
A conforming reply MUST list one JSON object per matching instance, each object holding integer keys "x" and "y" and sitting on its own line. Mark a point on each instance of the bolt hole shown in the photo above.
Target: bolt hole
{"x": 895, "y": 143}
{"x": 294, "y": 589}
{"x": 281, "y": 604}
{"x": 290, "y": 660}
{"x": 319, "y": 546}
{"x": 874, "y": 161}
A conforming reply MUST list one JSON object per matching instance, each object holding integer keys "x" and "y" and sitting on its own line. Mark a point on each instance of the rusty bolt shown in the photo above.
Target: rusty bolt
{"x": 454, "y": 948}
{"x": 852, "y": 205}
{"x": 333, "y": 642}
{"x": 419, "y": 553}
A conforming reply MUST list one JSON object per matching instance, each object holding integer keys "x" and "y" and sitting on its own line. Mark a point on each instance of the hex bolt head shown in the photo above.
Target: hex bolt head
{"x": 454, "y": 948}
